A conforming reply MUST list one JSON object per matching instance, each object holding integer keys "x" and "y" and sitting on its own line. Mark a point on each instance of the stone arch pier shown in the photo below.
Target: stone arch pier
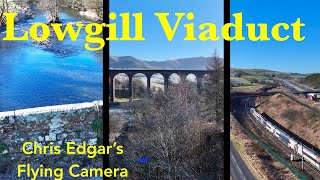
{"x": 199, "y": 74}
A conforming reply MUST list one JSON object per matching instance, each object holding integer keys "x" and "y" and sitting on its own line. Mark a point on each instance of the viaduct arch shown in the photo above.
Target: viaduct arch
{"x": 149, "y": 73}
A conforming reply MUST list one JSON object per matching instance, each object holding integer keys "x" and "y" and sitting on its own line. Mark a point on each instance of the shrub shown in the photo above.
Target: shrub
{"x": 3, "y": 146}
{"x": 97, "y": 125}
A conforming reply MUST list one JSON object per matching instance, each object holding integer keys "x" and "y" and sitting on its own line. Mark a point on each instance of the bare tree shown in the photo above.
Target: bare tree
{"x": 4, "y": 7}
{"x": 52, "y": 9}
{"x": 214, "y": 90}
{"x": 170, "y": 130}
{"x": 138, "y": 89}
{"x": 95, "y": 5}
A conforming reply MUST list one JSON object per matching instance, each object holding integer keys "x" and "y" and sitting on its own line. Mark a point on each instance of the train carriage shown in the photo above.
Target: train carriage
{"x": 283, "y": 137}
{"x": 311, "y": 157}
{"x": 293, "y": 144}
{"x": 308, "y": 154}
{"x": 270, "y": 127}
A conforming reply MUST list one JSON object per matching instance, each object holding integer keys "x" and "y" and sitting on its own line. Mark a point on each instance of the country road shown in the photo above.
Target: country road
{"x": 293, "y": 86}
{"x": 238, "y": 169}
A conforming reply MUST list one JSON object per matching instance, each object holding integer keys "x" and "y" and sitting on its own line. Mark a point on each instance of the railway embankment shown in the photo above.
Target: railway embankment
{"x": 298, "y": 114}
{"x": 258, "y": 160}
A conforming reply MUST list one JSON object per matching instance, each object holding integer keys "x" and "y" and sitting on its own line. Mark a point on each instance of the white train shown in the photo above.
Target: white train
{"x": 314, "y": 96}
{"x": 308, "y": 154}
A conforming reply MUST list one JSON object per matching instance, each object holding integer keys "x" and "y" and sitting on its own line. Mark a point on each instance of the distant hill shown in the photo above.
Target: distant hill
{"x": 266, "y": 73}
{"x": 129, "y": 62}
{"x": 312, "y": 80}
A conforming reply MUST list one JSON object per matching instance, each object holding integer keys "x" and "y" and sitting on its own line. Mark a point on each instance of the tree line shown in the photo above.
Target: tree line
{"x": 312, "y": 80}
{"x": 52, "y": 8}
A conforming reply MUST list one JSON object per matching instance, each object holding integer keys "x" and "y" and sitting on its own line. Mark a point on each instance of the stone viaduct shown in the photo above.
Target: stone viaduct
{"x": 149, "y": 73}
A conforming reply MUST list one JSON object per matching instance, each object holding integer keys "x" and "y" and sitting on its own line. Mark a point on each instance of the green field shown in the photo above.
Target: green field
{"x": 247, "y": 88}
{"x": 235, "y": 81}
{"x": 262, "y": 73}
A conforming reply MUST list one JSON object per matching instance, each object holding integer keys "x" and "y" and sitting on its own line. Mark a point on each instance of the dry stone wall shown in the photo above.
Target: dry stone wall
{"x": 45, "y": 125}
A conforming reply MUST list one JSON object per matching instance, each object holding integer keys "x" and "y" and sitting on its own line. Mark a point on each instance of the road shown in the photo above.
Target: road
{"x": 238, "y": 169}
{"x": 293, "y": 86}
{"x": 287, "y": 85}
{"x": 300, "y": 86}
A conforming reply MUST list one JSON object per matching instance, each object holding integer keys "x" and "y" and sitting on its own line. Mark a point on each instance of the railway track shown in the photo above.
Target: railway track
{"x": 279, "y": 147}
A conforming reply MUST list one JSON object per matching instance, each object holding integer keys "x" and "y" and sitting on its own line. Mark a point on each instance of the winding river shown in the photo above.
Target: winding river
{"x": 36, "y": 76}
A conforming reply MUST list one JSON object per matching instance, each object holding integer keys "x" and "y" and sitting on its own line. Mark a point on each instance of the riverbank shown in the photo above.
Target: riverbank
{"x": 25, "y": 12}
{"x": 93, "y": 11}
{"x": 36, "y": 76}
{"x": 91, "y": 15}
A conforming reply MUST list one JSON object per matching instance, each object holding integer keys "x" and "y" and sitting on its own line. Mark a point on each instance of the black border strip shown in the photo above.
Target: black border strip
{"x": 227, "y": 67}
{"x": 106, "y": 64}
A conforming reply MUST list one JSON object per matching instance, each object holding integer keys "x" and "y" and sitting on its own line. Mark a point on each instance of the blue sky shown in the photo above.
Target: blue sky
{"x": 288, "y": 56}
{"x": 156, "y": 46}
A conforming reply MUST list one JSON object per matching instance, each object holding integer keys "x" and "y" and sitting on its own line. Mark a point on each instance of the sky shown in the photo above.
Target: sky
{"x": 156, "y": 47}
{"x": 288, "y": 56}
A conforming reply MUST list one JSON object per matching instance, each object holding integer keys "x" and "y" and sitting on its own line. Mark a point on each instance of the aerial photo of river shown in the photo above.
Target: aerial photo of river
{"x": 32, "y": 75}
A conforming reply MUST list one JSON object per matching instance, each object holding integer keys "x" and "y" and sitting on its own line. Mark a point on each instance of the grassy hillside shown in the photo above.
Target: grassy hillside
{"x": 300, "y": 115}
{"x": 235, "y": 81}
{"x": 257, "y": 78}
{"x": 312, "y": 80}
{"x": 129, "y": 62}
{"x": 263, "y": 73}
{"x": 243, "y": 77}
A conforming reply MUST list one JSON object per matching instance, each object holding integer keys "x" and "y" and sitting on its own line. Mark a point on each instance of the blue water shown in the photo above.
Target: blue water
{"x": 35, "y": 76}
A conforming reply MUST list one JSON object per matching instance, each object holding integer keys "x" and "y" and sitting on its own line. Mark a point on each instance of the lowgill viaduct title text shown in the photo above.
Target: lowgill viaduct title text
{"x": 206, "y": 31}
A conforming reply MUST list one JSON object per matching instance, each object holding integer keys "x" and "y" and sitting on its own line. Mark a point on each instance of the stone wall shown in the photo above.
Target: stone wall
{"x": 57, "y": 124}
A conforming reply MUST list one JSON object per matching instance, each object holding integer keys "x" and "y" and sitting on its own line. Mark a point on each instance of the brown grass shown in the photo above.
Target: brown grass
{"x": 301, "y": 120}
{"x": 291, "y": 114}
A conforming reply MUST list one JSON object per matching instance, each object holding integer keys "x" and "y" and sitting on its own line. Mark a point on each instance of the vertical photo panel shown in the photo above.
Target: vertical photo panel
{"x": 274, "y": 84}
{"x": 166, "y": 89}
{"x": 51, "y": 88}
